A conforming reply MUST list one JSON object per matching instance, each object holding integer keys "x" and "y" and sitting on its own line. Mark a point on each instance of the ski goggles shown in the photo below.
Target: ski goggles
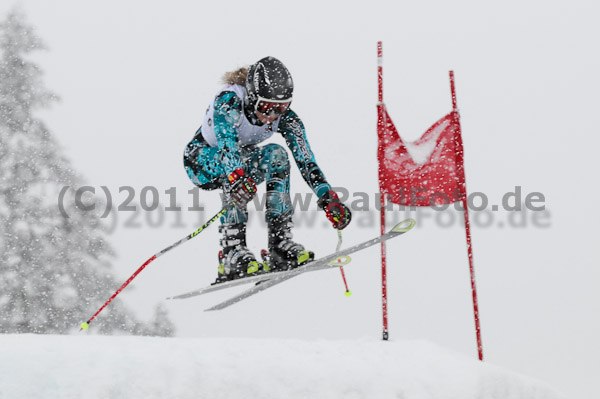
{"x": 271, "y": 107}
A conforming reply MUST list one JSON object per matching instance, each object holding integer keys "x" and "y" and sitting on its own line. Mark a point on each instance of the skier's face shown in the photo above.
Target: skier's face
{"x": 266, "y": 119}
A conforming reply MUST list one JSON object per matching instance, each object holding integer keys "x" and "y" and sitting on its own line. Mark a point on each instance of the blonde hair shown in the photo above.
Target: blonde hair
{"x": 237, "y": 77}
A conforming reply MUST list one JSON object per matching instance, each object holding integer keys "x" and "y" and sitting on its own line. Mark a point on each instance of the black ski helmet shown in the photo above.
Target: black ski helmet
{"x": 268, "y": 79}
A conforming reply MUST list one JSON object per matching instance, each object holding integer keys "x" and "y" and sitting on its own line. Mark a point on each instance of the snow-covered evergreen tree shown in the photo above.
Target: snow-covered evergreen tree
{"x": 161, "y": 326}
{"x": 54, "y": 271}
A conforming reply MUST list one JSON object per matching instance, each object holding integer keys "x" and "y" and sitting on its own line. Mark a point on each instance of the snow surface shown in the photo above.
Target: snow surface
{"x": 88, "y": 366}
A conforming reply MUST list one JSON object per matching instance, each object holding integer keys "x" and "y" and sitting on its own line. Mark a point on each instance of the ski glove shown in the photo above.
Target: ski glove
{"x": 242, "y": 188}
{"x": 337, "y": 213}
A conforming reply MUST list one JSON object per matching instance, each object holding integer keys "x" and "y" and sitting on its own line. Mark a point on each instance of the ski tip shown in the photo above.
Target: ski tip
{"x": 404, "y": 226}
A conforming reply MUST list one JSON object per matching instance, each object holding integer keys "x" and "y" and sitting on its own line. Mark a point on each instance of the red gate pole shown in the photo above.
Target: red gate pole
{"x": 382, "y": 125}
{"x": 463, "y": 185}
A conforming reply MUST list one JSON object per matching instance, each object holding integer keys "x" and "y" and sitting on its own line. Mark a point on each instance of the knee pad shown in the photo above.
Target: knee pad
{"x": 277, "y": 158}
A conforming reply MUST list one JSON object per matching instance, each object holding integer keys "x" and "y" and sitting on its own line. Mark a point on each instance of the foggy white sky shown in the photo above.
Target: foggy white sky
{"x": 135, "y": 80}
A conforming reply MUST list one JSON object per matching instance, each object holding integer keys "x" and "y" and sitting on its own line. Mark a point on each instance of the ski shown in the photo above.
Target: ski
{"x": 277, "y": 278}
{"x": 227, "y": 284}
{"x": 267, "y": 280}
{"x": 336, "y": 259}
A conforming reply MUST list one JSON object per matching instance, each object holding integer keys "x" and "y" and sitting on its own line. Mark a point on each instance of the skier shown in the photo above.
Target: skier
{"x": 255, "y": 104}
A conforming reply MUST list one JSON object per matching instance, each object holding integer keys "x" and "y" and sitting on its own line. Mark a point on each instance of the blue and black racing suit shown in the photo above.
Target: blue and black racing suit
{"x": 227, "y": 140}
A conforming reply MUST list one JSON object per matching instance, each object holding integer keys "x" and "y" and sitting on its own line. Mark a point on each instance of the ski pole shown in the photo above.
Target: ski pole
{"x": 337, "y": 249}
{"x": 85, "y": 326}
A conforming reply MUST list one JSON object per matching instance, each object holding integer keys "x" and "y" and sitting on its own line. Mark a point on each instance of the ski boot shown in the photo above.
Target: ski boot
{"x": 284, "y": 254}
{"x": 235, "y": 259}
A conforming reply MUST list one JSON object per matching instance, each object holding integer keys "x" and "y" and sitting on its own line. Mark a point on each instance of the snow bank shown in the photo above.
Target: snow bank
{"x": 35, "y": 366}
